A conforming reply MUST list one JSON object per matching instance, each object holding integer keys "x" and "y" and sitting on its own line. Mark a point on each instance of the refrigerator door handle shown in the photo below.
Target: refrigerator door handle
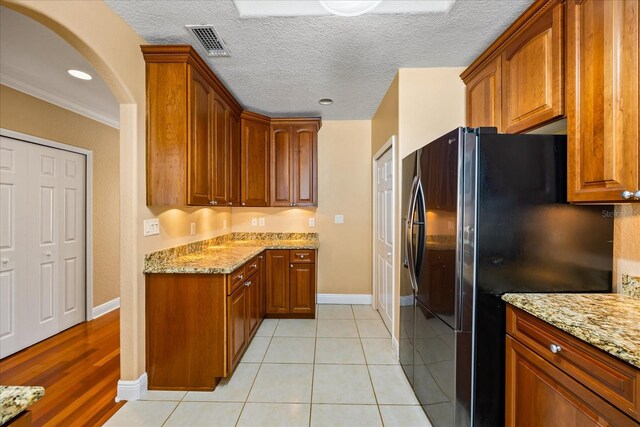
{"x": 410, "y": 256}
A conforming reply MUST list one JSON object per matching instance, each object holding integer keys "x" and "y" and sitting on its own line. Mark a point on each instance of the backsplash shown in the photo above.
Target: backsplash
{"x": 631, "y": 285}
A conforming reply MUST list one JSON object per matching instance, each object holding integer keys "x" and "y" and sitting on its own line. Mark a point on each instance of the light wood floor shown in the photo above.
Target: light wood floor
{"x": 79, "y": 369}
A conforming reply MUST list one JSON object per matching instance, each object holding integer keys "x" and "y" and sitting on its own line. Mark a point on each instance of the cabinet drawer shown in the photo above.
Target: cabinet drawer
{"x": 252, "y": 266}
{"x": 302, "y": 256}
{"x": 235, "y": 279}
{"x": 614, "y": 380}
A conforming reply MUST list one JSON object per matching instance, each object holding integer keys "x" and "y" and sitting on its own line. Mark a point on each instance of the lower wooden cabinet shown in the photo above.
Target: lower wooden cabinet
{"x": 578, "y": 385}
{"x": 238, "y": 325}
{"x": 291, "y": 283}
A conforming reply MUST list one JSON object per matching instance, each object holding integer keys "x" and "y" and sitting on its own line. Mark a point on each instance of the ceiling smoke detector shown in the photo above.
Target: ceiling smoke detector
{"x": 209, "y": 39}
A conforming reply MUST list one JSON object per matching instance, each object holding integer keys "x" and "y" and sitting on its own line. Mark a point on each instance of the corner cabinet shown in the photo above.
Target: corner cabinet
{"x": 517, "y": 84}
{"x": 294, "y": 162}
{"x": 602, "y": 101}
{"x": 553, "y": 378}
{"x": 255, "y": 159}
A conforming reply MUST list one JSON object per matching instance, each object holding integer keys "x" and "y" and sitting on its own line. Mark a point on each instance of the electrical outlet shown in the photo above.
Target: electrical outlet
{"x": 193, "y": 228}
{"x": 312, "y": 222}
{"x": 339, "y": 219}
{"x": 261, "y": 222}
{"x": 254, "y": 222}
{"x": 224, "y": 223}
{"x": 151, "y": 227}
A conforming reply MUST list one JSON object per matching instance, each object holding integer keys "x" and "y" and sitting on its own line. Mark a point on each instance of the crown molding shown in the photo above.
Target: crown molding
{"x": 29, "y": 89}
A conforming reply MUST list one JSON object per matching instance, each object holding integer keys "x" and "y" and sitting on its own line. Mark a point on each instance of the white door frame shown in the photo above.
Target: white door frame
{"x": 392, "y": 145}
{"x": 88, "y": 247}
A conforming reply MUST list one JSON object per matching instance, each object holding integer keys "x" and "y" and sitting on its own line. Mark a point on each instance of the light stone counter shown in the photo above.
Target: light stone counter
{"x": 17, "y": 399}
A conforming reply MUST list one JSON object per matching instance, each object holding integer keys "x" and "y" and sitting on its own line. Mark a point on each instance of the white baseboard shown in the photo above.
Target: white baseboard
{"x": 132, "y": 390}
{"x": 364, "y": 299}
{"x": 108, "y": 306}
{"x": 395, "y": 345}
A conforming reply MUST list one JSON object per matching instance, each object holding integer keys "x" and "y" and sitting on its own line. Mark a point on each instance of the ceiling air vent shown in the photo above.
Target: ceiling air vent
{"x": 209, "y": 39}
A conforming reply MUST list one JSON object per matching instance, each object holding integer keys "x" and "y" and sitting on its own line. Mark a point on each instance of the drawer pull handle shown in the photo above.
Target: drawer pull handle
{"x": 248, "y": 283}
{"x": 240, "y": 276}
{"x": 301, "y": 256}
{"x": 555, "y": 348}
{"x": 254, "y": 266}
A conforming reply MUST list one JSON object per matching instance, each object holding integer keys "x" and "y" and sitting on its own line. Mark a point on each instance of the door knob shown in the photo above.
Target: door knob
{"x": 627, "y": 194}
{"x": 47, "y": 254}
{"x": 388, "y": 254}
{"x": 5, "y": 260}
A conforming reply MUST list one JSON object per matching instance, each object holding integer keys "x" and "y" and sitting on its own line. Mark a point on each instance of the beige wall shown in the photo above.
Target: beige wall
{"x": 23, "y": 113}
{"x": 344, "y": 187}
{"x": 384, "y": 123}
{"x": 626, "y": 241}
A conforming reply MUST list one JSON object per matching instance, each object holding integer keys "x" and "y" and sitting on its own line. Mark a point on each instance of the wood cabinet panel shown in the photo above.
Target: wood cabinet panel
{"x": 303, "y": 256}
{"x": 255, "y": 160}
{"x": 533, "y": 74}
{"x": 539, "y": 394}
{"x": 281, "y": 146}
{"x": 262, "y": 288}
{"x": 302, "y": 288}
{"x": 237, "y": 324}
{"x": 235, "y": 162}
{"x": 199, "y": 150}
{"x": 602, "y": 100}
{"x": 484, "y": 96}
{"x": 277, "y": 297}
{"x": 305, "y": 165}
{"x": 185, "y": 331}
{"x": 219, "y": 164}
{"x": 253, "y": 303}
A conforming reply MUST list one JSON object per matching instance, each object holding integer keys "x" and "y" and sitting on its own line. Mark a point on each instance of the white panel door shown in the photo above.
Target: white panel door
{"x": 384, "y": 237}
{"x": 42, "y": 242}
{"x": 13, "y": 244}
{"x": 72, "y": 239}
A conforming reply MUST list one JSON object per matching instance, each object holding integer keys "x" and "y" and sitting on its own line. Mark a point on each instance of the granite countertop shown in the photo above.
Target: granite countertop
{"x": 17, "y": 399}
{"x": 610, "y": 322}
{"x": 224, "y": 254}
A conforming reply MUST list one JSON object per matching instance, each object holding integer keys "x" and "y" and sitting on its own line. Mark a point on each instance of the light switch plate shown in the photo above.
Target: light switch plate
{"x": 254, "y": 222}
{"x": 312, "y": 222}
{"x": 261, "y": 222}
{"x": 151, "y": 227}
{"x": 339, "y": 219}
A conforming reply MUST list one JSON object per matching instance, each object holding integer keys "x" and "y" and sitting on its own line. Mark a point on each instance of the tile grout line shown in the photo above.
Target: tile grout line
{"x": 246, "y": 399}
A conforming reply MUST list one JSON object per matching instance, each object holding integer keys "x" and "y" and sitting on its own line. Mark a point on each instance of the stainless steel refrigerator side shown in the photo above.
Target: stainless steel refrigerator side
{"x": 407, "y": 301}
{"x": 465, "y": 375}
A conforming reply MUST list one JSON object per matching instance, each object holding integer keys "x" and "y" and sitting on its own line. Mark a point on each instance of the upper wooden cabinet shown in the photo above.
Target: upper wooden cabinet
{"x": 484, "y": 96}
{"x": 517, "y": 83}
{"x": 190, "y": 129}
{"x": 602, "y": 100}
{"x": 532, "y": 73}
{"x": 294, "y": 162}
{"x": 255, "y": 159}
{"x": 235, "y": 160}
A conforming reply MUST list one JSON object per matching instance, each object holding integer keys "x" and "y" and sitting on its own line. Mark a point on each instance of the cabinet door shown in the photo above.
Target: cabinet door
{"x": 302, "y": 288}
{"x": 199, "y": 148}
{"x": 255, "y": 163}
{"x": 539, "y": 394}
{"x": 484, "y": 100}
{"x": 533, "y": 74}
{"x": 235, "y": 150}
{"x": 237, "y": 325}
{"x": 220, "y": 158}
{"x": 277, "y": 297}
{"x": 602, "y": 100}
{"x": 305, "y": 165}
{"x": 262, "y": 289}
{"x": 281, "y": 142}
{"x": 253, "y": 303}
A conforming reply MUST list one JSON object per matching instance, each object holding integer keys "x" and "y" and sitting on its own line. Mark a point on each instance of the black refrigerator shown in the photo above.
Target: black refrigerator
{"x": 485, "y": 214}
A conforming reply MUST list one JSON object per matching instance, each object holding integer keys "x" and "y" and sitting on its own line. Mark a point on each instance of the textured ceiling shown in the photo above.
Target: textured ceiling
{"x": 35, "y": 60}
{"x": 283, "y": 66}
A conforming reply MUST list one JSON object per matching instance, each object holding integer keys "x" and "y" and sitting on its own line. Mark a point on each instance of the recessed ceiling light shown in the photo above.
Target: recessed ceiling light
{"x": 325, "y": 101}
{"x": 80, "y": 74}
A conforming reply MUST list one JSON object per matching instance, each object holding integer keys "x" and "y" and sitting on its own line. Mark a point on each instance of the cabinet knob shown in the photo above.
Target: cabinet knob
{"x": 290, "y": 204}
{"x": 637, "y": 195}
{"x": 244, "y": 204}
{"x": 241, "y": 276}
{"x": 627, "y": 194}
{"x": 294, "y": 204}
{"x": 213, "y": 202}
{"x": 291, "y": 265}
{"x": 230, "y": 203}
{"x": 248, "y": 283}
{"x": 555, "y": 348}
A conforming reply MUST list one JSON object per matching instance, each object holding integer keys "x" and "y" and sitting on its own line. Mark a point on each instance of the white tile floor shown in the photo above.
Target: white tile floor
{"x": 338, "y": 370}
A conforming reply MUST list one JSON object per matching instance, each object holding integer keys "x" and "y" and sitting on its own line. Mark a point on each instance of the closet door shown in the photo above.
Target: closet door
{"x": 13, "y": 244}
